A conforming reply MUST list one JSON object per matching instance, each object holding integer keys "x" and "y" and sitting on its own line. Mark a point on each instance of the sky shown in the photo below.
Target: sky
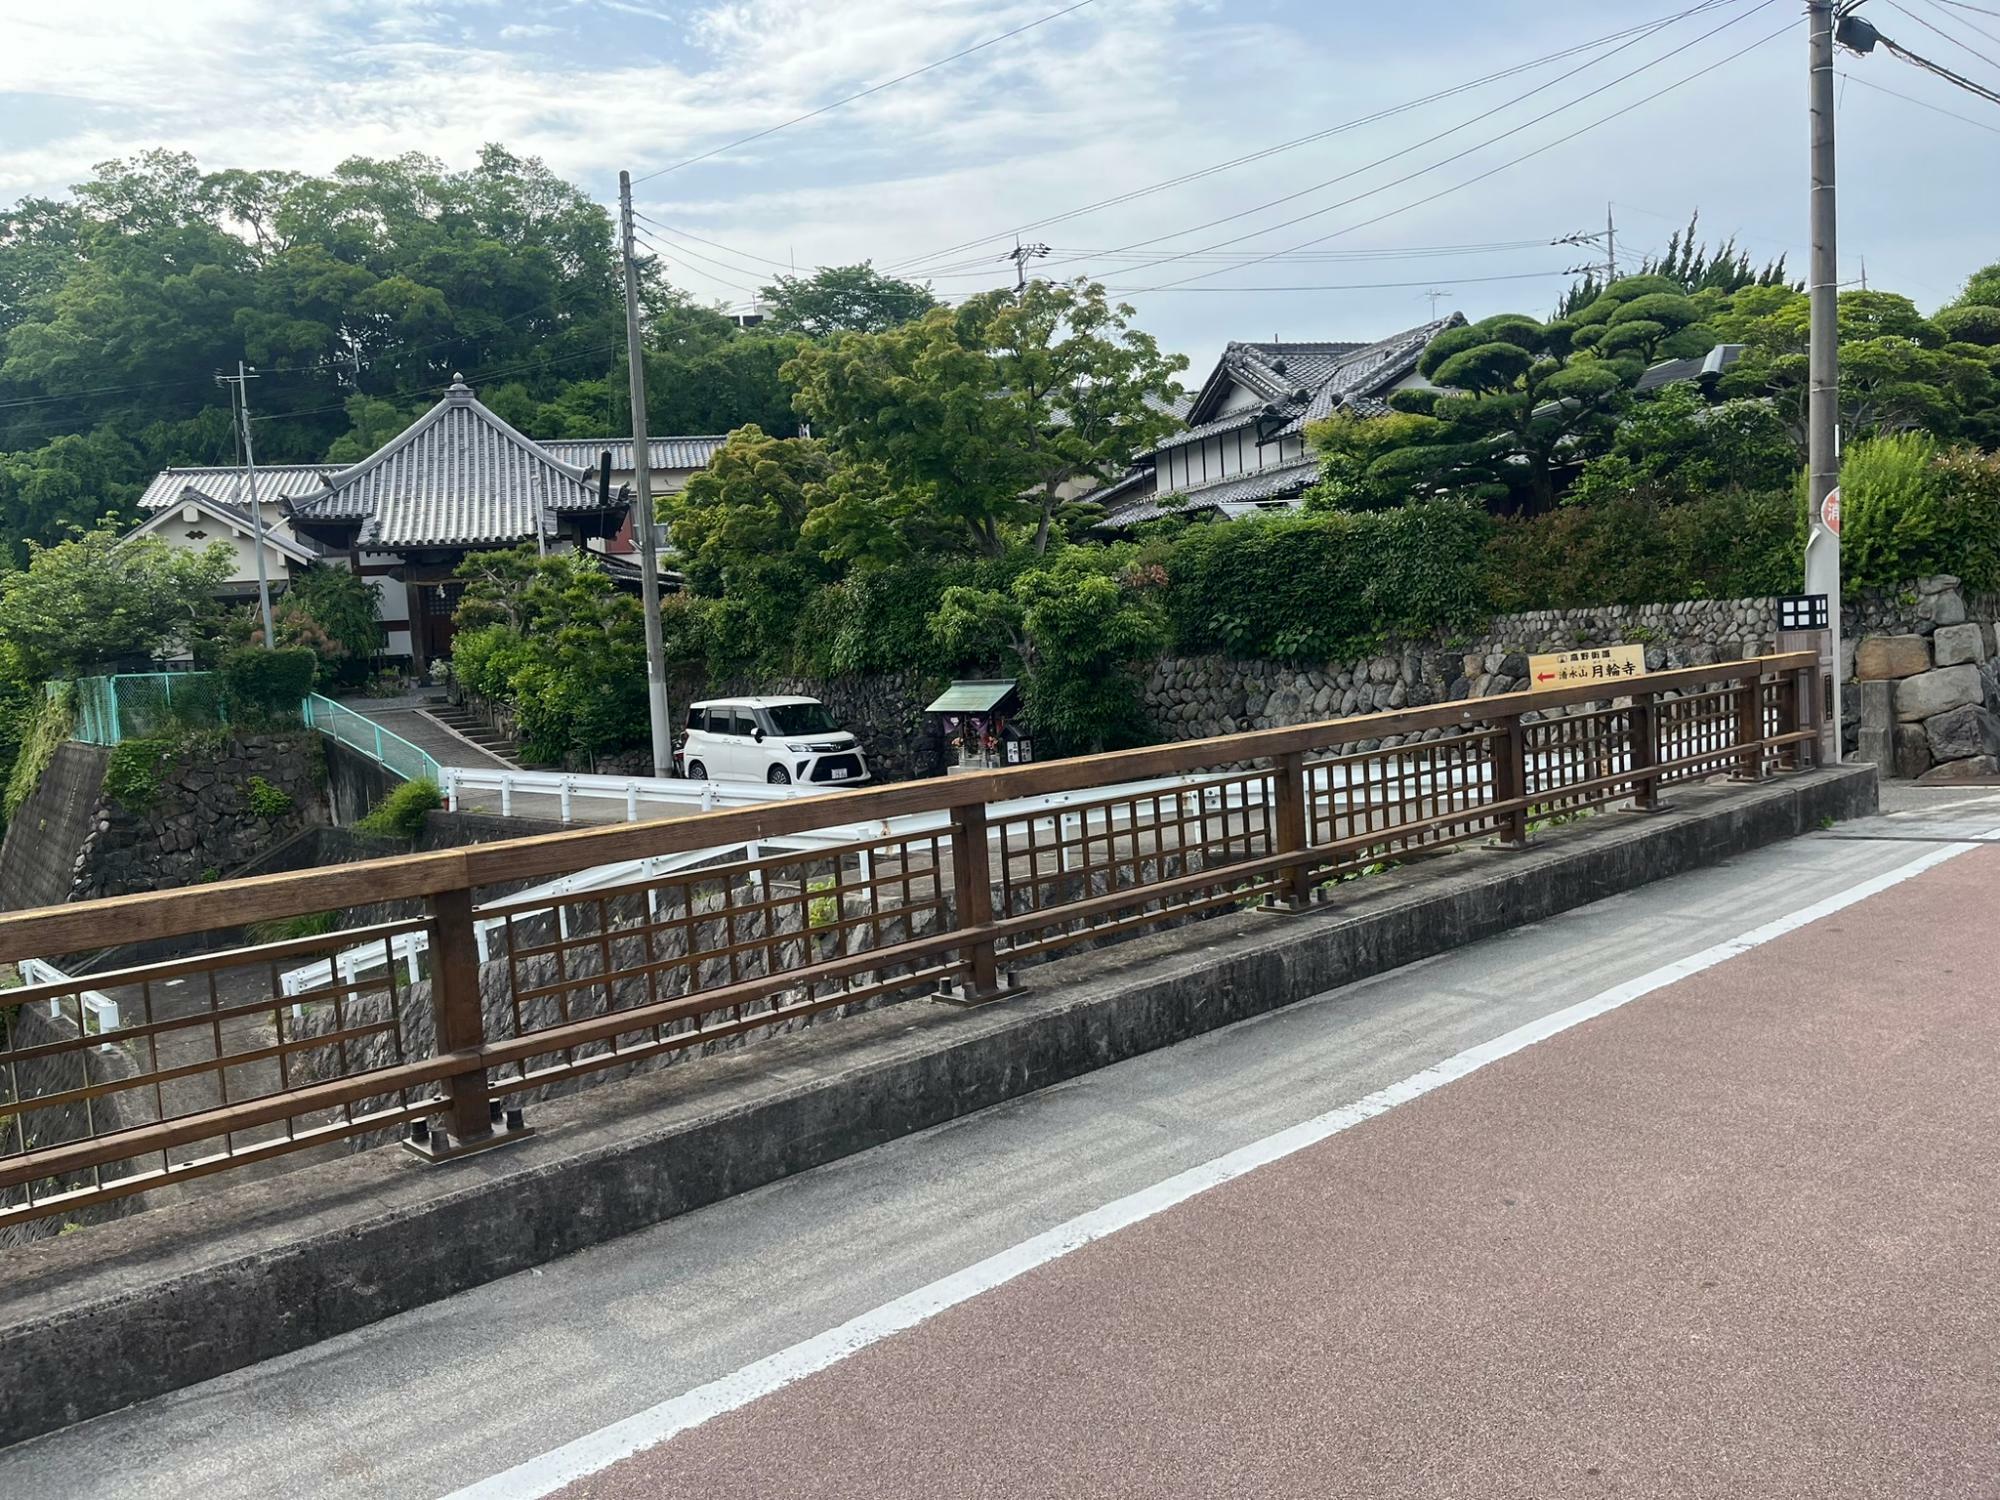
{"x": 934, "y": 176}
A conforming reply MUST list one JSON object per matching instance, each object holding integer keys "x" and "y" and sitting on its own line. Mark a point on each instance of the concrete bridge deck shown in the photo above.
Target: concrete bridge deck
{"x": 1685, "y": 1192}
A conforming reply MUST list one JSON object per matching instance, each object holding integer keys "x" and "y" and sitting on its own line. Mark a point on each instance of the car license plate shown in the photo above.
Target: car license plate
{"x": 836, "y": 775}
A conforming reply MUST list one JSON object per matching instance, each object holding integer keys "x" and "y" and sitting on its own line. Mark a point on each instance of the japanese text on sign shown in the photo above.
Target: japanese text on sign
{"x": 1593, "y": 664}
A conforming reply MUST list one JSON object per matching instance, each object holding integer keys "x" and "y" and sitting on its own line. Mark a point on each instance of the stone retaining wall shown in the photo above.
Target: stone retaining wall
{"x": 200, "y": 821}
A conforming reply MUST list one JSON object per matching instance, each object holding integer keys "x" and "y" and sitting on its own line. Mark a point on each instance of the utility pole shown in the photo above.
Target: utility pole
{"x": 246, "y": 489}
{"x": 1021, "y": 254}
{"x": 1823, "y": 414}
{"x": 642, "y": 515}
{"x": 1610, "y": 247}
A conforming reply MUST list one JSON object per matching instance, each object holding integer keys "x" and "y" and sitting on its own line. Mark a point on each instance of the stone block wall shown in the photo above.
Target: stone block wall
{"x": 1192, "y": 697}
{"x": 1929, "y": 705}
{"x": 200, "y": 823}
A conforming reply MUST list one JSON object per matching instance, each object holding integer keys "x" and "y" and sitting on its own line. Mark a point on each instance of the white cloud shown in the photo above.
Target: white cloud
{"x": 1121, "y": 94}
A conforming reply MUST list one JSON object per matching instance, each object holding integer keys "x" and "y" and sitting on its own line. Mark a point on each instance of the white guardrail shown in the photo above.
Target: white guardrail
{"x": 100, "y": 1011}
{"x": 642, "y": 797}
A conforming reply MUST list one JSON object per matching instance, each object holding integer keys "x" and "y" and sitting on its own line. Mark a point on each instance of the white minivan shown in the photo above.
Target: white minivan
{"x": 775, "y": 740}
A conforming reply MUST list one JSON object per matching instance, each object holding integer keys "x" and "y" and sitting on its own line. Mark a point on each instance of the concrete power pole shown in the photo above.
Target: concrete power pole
{"x": 246, "y": 489}
{"x": 1823, "y": 416}
{"x": 660, "y": 711}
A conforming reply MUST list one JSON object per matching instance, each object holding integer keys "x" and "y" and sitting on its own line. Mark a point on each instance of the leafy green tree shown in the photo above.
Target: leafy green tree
{"x": 980, "y": 417}
{"x": 1982, "y": 288}
{"x": 843, "y": 299}
{"x": 1514, "y": 403}
{"x": 1676, "y": 447}
{"x": 100, "y": 599}
{"x": 1898, "y": 373}
{"x": 1077, "y": 632}
{"x": 556, "y": 638}
{"x": 335, "y": 614}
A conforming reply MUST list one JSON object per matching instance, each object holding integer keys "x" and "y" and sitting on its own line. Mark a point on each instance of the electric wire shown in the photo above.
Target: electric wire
{"x": 1304, "y": 140}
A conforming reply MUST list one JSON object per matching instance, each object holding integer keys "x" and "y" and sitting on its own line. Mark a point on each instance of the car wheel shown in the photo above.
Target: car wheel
{"x": 697, "y": 771}
{"x": 779, "y": 776}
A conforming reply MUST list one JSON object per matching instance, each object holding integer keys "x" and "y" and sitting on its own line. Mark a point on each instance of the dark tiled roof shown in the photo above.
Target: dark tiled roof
{"x": 457, "y": 476}
{"x": 279, "y": 482}
{"x": 1300, "y": 383}
{"x": 1671, "y": 371}
{"x": 1240, "y": 494}
{"x": 666, "y": 452}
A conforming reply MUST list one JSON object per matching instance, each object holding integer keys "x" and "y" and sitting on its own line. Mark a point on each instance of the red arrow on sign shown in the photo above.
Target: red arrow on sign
{"x": 1545, "y": 677}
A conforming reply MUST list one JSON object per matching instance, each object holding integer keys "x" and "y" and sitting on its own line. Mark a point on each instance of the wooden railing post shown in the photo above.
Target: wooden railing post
{"x": 1510, "y": 782}
{"x": 1805, "y": 700}
{"x": 460, "y": 1026}
{"x": 1290, "y": 832}
{"x": 1645, "y": 730}
{"x": 1749, "y": 729}
{"x": 972, "y": 905}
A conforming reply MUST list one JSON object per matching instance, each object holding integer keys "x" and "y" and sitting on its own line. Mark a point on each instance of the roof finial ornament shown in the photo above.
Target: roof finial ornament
{"x": 459, "y": 393}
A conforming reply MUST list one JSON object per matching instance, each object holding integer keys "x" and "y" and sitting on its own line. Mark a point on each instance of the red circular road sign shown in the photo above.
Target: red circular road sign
{"x": 1829, "y": 510}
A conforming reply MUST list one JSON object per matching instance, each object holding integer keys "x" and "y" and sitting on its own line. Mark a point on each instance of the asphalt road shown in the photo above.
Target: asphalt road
{"x": 1218, "y": 1308}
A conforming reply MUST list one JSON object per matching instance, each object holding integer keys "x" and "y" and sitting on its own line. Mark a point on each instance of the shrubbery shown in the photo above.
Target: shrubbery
{"x": 401, "y": 813}
{"x": 1327, "y": 586}
{"x": 262, "y": 686}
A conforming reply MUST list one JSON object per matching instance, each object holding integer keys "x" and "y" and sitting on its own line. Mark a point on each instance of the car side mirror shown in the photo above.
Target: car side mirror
{"x": 757, "y": 734}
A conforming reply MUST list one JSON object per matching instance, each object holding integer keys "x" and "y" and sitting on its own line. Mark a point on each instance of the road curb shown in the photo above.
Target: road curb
{"x": 220, "y": 1280}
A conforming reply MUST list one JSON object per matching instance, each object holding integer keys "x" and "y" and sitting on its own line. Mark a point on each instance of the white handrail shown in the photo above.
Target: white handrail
{"x": 93, "y": 1003}
{"x": 639, "y": 797}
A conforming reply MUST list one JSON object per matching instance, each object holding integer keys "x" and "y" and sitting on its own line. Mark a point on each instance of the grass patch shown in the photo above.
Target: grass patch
{"x": 48, "y": 727}
{"x": 285, "y": 929}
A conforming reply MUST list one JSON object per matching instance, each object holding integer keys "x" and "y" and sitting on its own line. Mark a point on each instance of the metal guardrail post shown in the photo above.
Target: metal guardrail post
{"x": 1290, "y": 832}
{"x": 1510, "y": 783}
{"x": 1644, "y": 719}
{"x": 460, "y": 1027}
{"x": 1749, "y": 729}
{"x": 972, "y": 904}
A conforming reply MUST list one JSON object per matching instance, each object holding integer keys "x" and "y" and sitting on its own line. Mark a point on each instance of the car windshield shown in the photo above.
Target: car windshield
{"x": 801, "y": 718}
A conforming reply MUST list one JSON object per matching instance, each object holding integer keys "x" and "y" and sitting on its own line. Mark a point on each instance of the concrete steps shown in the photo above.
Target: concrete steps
{"x": 463, "y": 721}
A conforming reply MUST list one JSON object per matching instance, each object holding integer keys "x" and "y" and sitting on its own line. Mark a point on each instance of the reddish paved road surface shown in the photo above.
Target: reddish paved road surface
{"x": 1735, "y": 1239}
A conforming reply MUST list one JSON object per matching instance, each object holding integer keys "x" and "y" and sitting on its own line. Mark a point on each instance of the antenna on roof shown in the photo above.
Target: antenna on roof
{"x": 1436, "y": 296}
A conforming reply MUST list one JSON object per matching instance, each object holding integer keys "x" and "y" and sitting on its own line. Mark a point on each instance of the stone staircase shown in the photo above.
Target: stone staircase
{"x": 464, "y": 721}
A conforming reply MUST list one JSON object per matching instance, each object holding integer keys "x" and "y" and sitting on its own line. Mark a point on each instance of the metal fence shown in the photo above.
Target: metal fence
{"x": 140, "y": 705}
{"x": 371, "y": 739}
{"x": 304, "y": 1038}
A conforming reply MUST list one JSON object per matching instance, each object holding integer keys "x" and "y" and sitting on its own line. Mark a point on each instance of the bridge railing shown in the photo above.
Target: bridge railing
{"x": 226, "y": 1056}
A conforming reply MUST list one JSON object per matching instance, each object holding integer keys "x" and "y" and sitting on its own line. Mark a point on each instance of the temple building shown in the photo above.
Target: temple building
{"x": 457, "y": 480}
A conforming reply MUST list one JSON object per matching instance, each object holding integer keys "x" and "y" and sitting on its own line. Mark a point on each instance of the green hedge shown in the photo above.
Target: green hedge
{"x": 1326, "y": 586}
{"x": 1733, "y": 545}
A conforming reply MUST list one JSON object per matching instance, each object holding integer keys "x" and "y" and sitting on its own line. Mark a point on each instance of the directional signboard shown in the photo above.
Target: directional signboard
{"x": 1591, "y": 664}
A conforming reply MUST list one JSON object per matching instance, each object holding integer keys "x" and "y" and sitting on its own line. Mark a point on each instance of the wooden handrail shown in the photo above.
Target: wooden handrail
{"x": 153, "y": 915}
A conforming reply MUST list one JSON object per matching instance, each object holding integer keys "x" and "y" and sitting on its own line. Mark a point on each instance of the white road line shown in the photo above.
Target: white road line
{"x": 595, "y": 1451}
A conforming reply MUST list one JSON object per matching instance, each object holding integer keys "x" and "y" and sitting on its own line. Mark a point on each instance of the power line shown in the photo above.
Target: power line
{"x": 1351, "y": 286}
{"x": 1305, "y": 140}
{"x": 1940, "y": 31}
{"x": 1976, "y": 30}
{"x": 688, "y": 234}
{"x": 1456, "y": 156}
{"x": 1980, "y": 10}
{"x": 1921, "y": 103}
{"x": 814, "y": 114}
{"x": 1525, "y": 156}
{"x": 676, "y": 257}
